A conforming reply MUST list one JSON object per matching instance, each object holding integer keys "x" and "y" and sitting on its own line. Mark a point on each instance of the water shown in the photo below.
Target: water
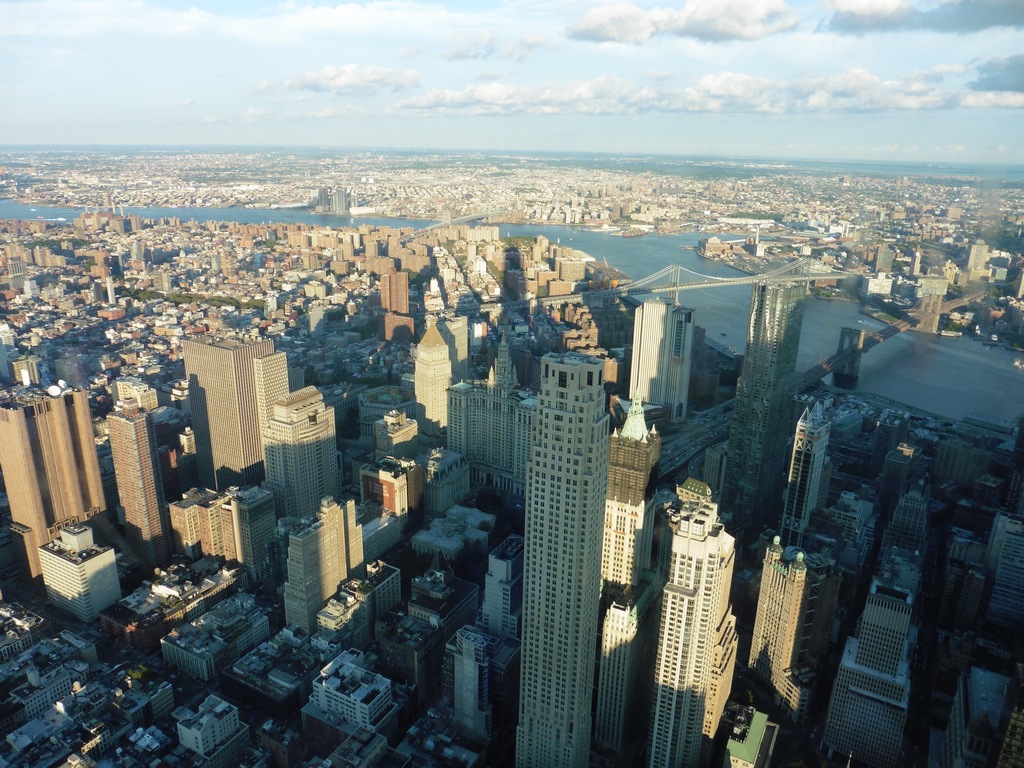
{"x": 949, "y": 377}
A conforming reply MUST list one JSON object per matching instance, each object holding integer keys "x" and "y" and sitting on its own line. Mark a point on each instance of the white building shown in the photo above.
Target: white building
{"x": 301, "y": 454}
{"x": 697, "y": 640}
{"x": 347, "y": 691}
{"x": 502, "y": 612}
{"x": 565, "y": 497}
{"x": 214, "y": 733}
{"x": 662, "y": 345}
{"x": 80, "y": 577}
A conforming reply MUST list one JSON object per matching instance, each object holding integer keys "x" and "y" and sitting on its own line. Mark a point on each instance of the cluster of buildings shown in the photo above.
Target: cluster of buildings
{"x": 349, "y": 513}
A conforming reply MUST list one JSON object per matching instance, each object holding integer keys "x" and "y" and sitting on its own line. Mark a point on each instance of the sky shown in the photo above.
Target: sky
{"x": 920, "y": 80}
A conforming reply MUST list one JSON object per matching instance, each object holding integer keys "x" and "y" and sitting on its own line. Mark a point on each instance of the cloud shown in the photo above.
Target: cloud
{"x": 479, "y": 45}
{"x": 953, "y": 16}
{"x": 1004, "y": 74}
{"x": 527, "y": 45}
{"x": 351, "y": 78}
{"x": 855, "y": 90}
{"x": 715, "y": 20}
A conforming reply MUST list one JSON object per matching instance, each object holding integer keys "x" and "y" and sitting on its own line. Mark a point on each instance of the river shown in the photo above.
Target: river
{"x": 946, "y": 376}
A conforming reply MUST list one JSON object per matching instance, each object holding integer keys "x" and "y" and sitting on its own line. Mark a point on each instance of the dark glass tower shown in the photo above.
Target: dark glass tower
{"x": 760, "y": 431}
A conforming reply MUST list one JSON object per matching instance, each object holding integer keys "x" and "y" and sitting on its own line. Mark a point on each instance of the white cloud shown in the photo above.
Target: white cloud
{"x": 992, "y": 99}
{"x": 952, "y": 16}
{"x": 351, "y": 78}
{"x": 478, "y": 45}
{"x": 702, "y": 19}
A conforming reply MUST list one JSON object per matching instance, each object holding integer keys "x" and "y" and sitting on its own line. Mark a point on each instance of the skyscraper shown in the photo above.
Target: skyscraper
{"x": 760, "y": 426}
{"x": 629, "y": 597}
{"x": 50, "y": 467}
{"x": 139, "y": 485}
{"x": 433, "y": 376}
{"x": 492, "y": 426}
{"x": 795, "y": 607}
{"x": 697, "y": 639}
{"x": 806, "y": 464}
{"x": 662, "y": 344}
{"x": 868, "y": 708}
{"x": 320, "y": 557}
{"x": 565, "y": 497}
{"x": 232, "y": 396}
{"x": 301, "y": 453}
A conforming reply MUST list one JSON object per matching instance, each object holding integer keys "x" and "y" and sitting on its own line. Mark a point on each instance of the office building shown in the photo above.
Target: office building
{"x": 565, "y": 497}
{"x": 139, "y": 484}
{"x": 795, "y": 607}
{"x": 455, "y": 332}
{"x": 130, "y": 388}
{"x": 804, "y": 492}
{"x": 1015, "y": 480}
{"x": 628, "y": 598}
{"x": 395, "y": 435}
{"x": 232, "y": 388}
{"x": 662, "y": 350}
{"x": 868, "y": 709}
{"x": 502, "y": 611}
{"x": 301, "y": 453}
{"x": 1011, "y": 751}
{"x": 1006, "y": 566}
{"x": 697, "y": 637}
{"x": 976, "y": 720}
{"x": 445, "y": 480}
{"x": 433, "y": 376}
{"x": 491, "y": 424}
{"x": 50, "y": 467}
{"x": 760, "y": 427}
{"x": 80, "y": 577}
{"x": 253, "y": 519}
{"x": 213, "y": 734}
{"x": 320, "y": 557}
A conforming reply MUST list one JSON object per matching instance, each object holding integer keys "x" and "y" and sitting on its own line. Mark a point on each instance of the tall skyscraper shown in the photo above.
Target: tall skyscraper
{"x": 806, "y": 465}
{"x": 320, "y": 557}
{"x": 1015, "y": 480}
{"x": 662, "y": 345}
{"x": 232, "y": 396}
{"x": 697, "y": 639}
{"x": 492, "y": 426}
{"x": 565, "y": 497}
{"x": 795, "y": 608}
{"x": 50, "y": 467}
{"x": 301, "y": 453}
{"x": 868, "y": 709}
{"x": 760, "y": 428}
{"x": 455, "y": 332}
{"x": 433, "y": 376}
{"x": 630, "y": 595}
{"x": 139, "y": 485}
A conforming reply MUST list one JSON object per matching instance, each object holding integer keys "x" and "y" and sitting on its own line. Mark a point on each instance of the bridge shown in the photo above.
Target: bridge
{"x": 447, "y": 220}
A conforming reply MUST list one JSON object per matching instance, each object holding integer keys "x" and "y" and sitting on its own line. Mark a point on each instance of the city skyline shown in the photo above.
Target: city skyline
{"x": 894, "y": 79}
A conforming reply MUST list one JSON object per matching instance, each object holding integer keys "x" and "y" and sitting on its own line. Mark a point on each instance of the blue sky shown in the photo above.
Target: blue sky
{"x": 933, "y": 80}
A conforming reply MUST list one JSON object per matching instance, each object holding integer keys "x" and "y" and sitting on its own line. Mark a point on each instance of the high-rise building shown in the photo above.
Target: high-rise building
{"x": 502, "y": 612}
{"x": 50, "y": 467}
{"x": 795, "y": 607}
{"x": 492, "y": 426}
{"x": 760, "y": 426}
{"x": 1015, "y": 480}
{"x": 806, "y": 466}
{"x": 1006, "y": 566}
{"x": 253, "y": 519}
{"x": 320, "y": 557}
{"x": 433, "y": 376}
{"x": 1011, "y": 751}
{"x": 232, "y": 388}
{"x": 565, "y": 497}
{"x": 975, "y": 720}
{"x": 629, "y": 597}
{"x": 301, "y": 453}
{"x": 697, "y": 638}
{"x": 871, "y": 693}
{"x": 662, "y": 347}
{"x": 131, "y": 388}
{"x": 80, "y": 577}
{"x": 395, "y": 435}
{"x": 455, "y": 332}
{"x": 394, "y": 292}
{"x": 139, "y": 485}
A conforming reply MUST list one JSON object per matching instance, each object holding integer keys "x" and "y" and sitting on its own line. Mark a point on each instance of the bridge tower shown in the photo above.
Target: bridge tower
{"x": 851, "y": 341}
{"x": 928, "y": 309}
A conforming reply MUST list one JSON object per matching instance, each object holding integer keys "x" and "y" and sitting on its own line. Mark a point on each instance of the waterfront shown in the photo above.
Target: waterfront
{"x": 946, "y": 376}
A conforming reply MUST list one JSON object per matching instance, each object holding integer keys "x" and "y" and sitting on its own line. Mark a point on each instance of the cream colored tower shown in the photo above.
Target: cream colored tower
{"x": 433, "y": 376}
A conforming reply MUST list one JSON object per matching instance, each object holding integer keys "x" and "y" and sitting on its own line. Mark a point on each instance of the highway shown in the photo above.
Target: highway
{"x": 697, "y": 435}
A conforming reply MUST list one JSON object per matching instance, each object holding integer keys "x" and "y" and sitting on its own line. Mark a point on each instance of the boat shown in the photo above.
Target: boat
{"x": 1019, "y": 363}
{"x": 951, "y": 334}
